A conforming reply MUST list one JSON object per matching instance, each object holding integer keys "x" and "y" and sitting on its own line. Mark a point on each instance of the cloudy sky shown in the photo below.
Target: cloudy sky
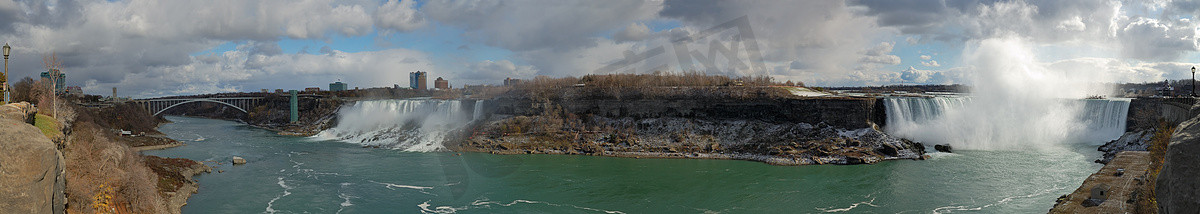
{"x": 149, "y": 48}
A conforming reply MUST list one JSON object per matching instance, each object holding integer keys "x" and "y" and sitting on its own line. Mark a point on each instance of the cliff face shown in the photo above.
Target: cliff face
{"x": 783, "y": 131}
{"x": 31, "y": 169}
{"x": 847, "y": 113}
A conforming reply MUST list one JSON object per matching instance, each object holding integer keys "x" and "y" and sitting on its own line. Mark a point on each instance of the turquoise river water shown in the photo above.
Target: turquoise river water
{"x": 300, "y": 175}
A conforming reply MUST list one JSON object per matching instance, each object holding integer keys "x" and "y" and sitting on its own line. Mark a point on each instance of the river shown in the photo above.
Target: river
{"x": 299, "y": 175}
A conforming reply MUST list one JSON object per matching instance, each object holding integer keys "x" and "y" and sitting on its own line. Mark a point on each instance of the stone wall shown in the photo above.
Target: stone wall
{"x": 848, "y": 113}
{"x": 31, "y": 169}
{"x": 1144, "y": 113}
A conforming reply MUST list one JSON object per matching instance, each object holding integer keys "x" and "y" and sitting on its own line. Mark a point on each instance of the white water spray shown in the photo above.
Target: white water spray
{"x": 1015, "y": 103}
{"x": 419, "y": 125}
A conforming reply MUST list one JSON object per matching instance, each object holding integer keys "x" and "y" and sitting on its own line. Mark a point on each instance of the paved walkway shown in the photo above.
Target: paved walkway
{"x": 1119, "y": 188}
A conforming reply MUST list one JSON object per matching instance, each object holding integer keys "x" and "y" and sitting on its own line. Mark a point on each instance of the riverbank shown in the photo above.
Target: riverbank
{"x": 1122, "y": 186}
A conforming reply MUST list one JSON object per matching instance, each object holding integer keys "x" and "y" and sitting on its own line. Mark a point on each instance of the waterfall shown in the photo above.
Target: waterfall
{"x": 1105, "y": 118}
{"x": 917, "y": 110}
{"x": 478, "y": 113}
{"x": 410, "y": 124}
{"x": 951, "y": 120}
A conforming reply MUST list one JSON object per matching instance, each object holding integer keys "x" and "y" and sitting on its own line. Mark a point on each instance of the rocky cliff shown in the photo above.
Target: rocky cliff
{"x": 31, "y": 169}
{"x": 847, "y": 113}
{"x": 772, "y": 129}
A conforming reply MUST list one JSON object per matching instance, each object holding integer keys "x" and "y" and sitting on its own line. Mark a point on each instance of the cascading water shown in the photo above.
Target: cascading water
{"x": 927, "y": 119}
{"x": 419, "y": 125}
{"x": 1016, "y": 103}
{"x": 910, "y": 111}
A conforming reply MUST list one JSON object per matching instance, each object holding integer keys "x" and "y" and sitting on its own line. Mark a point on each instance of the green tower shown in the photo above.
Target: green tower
{"x": 294, "y": 108}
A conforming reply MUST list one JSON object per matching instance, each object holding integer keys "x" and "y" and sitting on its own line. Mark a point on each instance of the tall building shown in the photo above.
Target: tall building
{"x": 59, "y": 79}
{"x": 510, "y": 81}
{"x": 440, "y": 83}
{"x": 416, "y": 80}
{"x": 337, "y": 86}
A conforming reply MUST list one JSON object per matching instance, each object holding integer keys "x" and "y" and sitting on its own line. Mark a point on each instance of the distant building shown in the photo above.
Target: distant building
{"x": 474, "y": 87}
{"x": 337, "y": 86}
{"x": 440, "y": 83}
{"x": 60, "y": 80}
{"x": 1166, "y": 90}
{"x": 264, "y": 91}
{"x": 312, "y": 90}
{"x": 511, "y": 81}
{"x": 74, "y": 90}
{"x": 395, "y": 86}
{"x": 279, "y": 91}
{"x": 416, "y": 80}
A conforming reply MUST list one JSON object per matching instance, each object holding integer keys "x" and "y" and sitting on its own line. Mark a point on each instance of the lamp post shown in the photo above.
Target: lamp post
{"x": 1193, "y": 81}
{"x": 7, "y": 49}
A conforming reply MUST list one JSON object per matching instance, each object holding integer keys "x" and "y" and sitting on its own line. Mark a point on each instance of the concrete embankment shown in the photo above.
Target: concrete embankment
{"x": 31, "y": 168}
{"x": 1113, "y": 189}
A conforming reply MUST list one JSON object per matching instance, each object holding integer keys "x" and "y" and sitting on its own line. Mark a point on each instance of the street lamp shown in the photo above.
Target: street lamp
{"x": 7, "y": 49}
{"x": 1193, "y": 81}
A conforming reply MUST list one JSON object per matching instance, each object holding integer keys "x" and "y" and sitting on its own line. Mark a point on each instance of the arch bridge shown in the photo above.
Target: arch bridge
{"x": 158, "y": 106}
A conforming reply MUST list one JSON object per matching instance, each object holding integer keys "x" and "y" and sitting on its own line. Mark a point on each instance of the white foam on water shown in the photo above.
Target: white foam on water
{"x": 950, "y": 209}
{"x": 345, "y": 197}
{"x": 484, "y": 203}
{"x": 851, "y": 207}
{"x": 393, "y": 186}
{"x": 271, "y": 203}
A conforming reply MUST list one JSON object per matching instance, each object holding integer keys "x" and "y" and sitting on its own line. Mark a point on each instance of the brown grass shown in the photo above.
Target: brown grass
{"x": 1146, "y": 203}
{"x": 95, "y": 162}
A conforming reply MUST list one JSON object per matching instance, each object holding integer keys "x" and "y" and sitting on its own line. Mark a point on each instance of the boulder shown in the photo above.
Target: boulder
{"x": 942, "y": 148}
{"x": 21, "y": 111}
{"x": 31, "y": 170}
{"x": 239, "y": 160}
{"x": 1177, "y": 190}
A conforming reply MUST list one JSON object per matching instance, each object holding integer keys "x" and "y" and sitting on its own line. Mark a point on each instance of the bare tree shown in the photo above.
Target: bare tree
{"x": 52, "y": 66}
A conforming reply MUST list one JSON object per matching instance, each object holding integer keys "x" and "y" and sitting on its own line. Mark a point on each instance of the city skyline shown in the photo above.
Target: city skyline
{"x": 167, "y": 48}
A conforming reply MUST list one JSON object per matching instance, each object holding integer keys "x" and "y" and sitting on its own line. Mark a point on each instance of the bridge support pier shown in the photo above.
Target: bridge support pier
{"x": 294, "y": 107}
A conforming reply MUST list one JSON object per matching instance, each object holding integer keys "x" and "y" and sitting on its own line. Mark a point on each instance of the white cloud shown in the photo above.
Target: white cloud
{"x": 537, "y": 24}
{"x": 493, "y": 71}
{"x": 634, "y": 32}
{"x": 931, "y": 63}
{"x": 399, "y": 15}
{"x": 1151, "y": 39}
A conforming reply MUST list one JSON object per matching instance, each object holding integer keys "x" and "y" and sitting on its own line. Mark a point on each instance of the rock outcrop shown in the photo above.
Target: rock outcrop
{"x": 1131, "y": 141}
{"x": 21, "y": 111}
{"x": 671, "y": 137}
{"x": 1178, "y": 190}
{"x": 31, "y": 169}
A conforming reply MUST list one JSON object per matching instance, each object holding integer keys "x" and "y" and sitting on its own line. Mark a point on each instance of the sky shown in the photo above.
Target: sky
{"x": 152, "y": 48}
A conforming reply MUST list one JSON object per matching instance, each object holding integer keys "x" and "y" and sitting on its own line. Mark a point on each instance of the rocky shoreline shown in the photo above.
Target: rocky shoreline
{"x": 177, "y": 173}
